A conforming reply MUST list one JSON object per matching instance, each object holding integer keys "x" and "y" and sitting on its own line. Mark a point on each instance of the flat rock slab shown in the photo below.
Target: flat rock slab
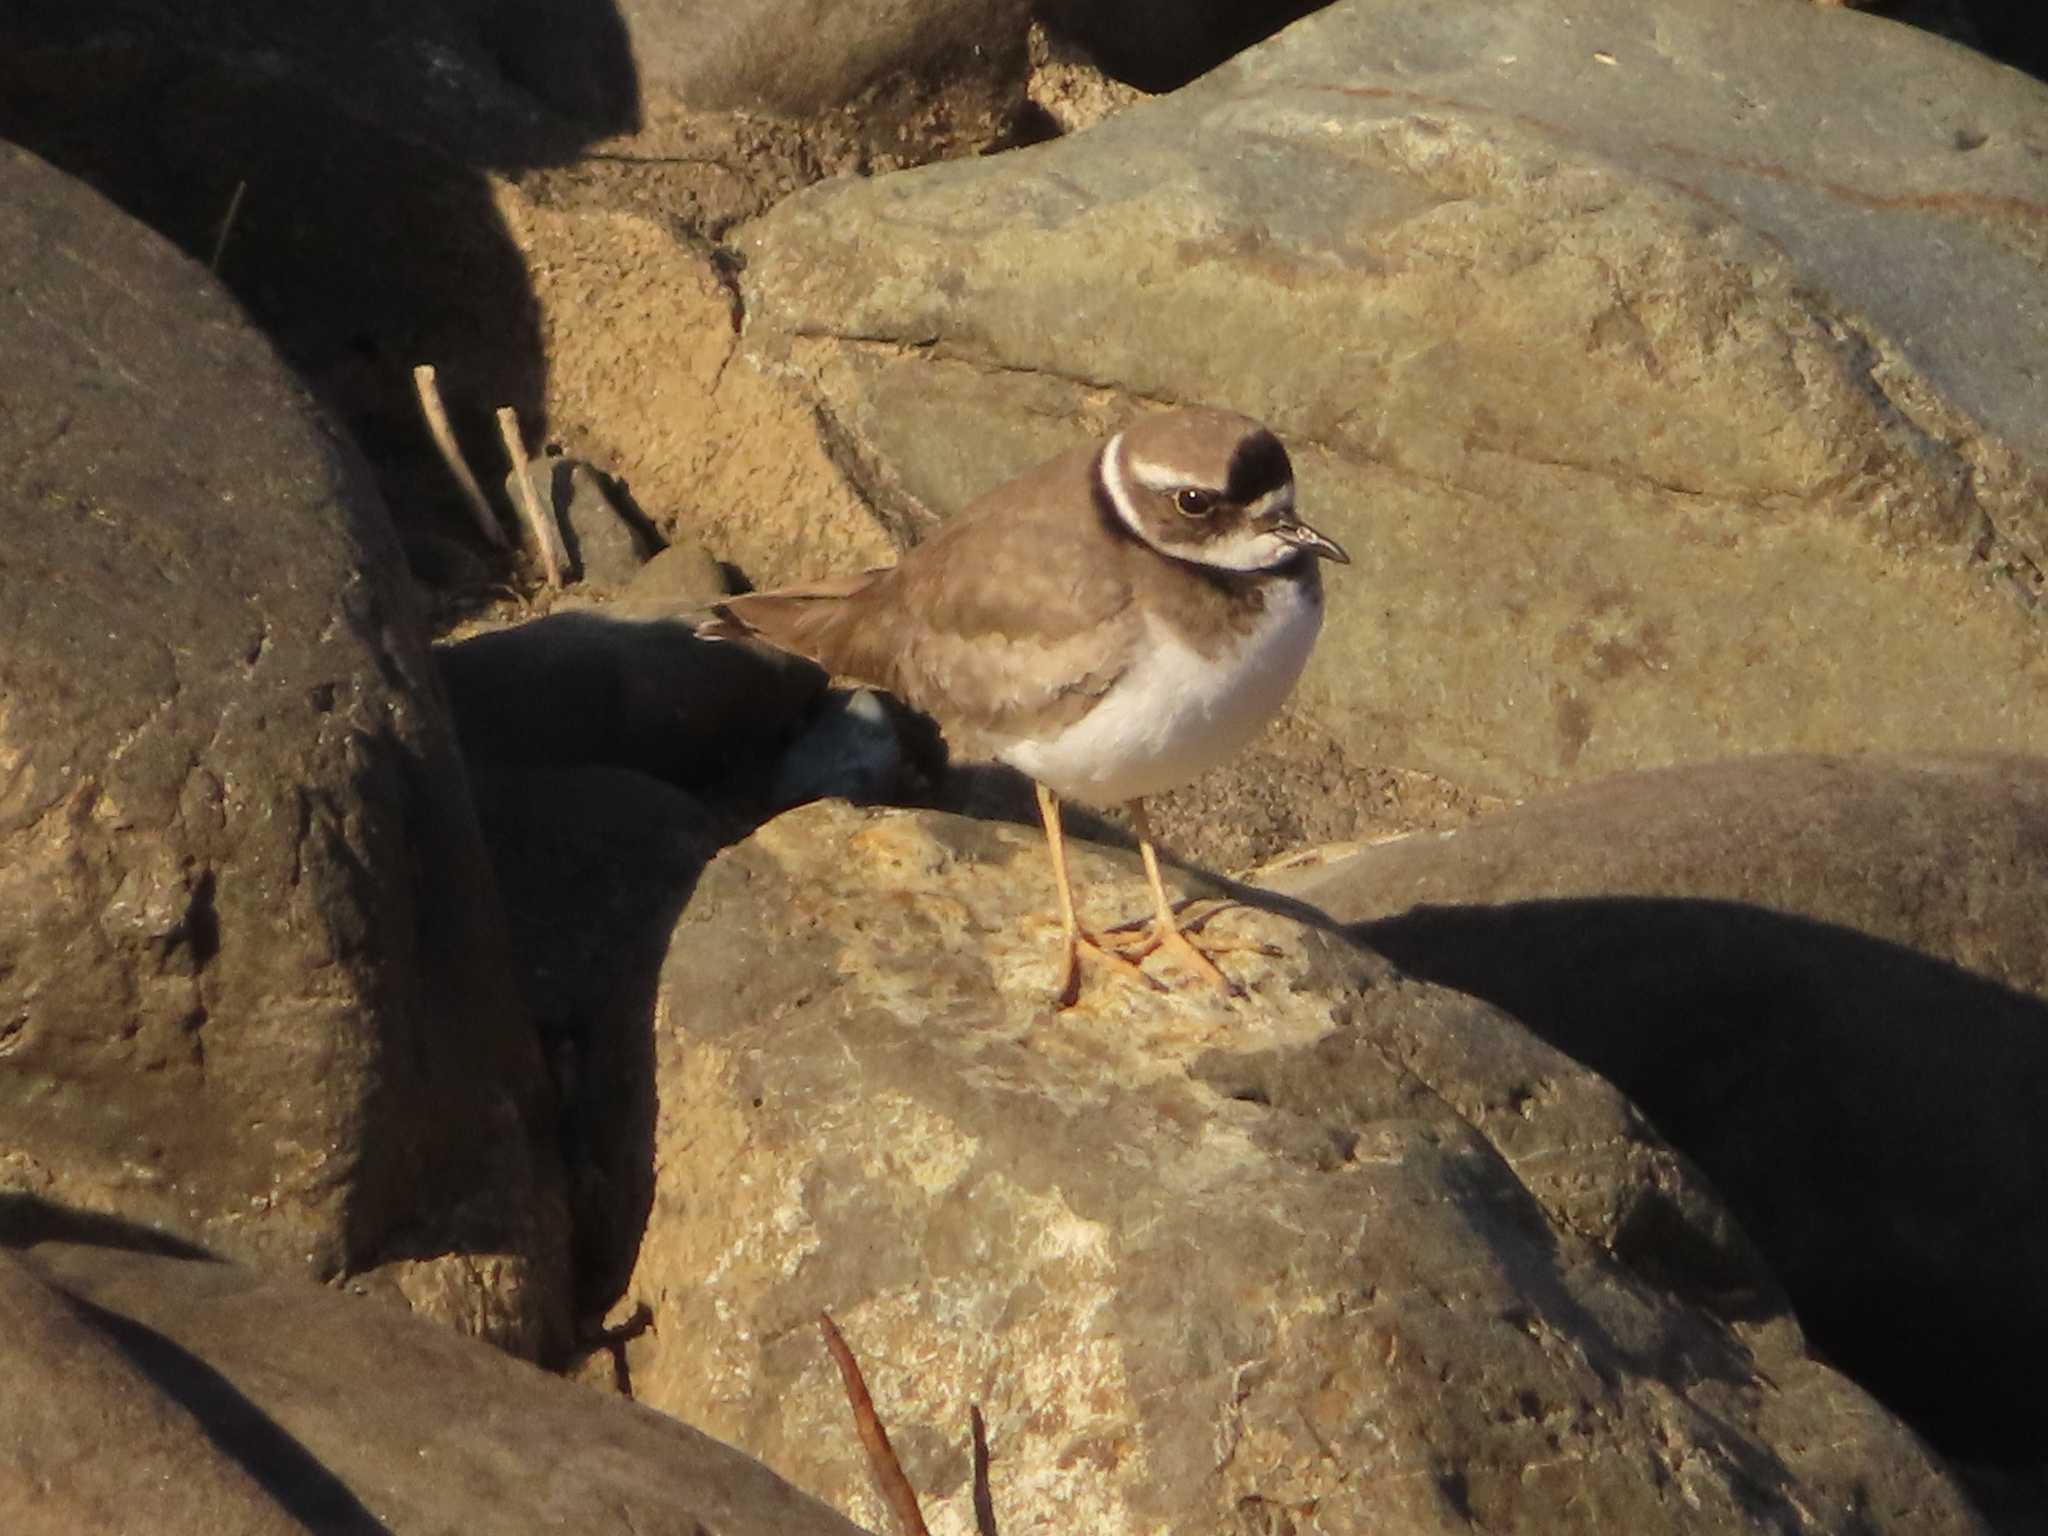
{"x": 1677, "y": 376}
{"x": 256, "y": 1405}
{"x": 1822, "y": 978}
{"x": 1351, "y": 1254}
{"x": 254, "y": 981}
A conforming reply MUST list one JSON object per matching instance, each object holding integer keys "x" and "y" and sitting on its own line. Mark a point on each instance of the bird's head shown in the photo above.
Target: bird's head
{"x": 1210, "y": 487}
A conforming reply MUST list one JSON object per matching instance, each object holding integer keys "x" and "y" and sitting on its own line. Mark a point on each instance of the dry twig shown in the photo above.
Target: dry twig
{"x": 547, "y": 538}
{"x": 220, "y": 242}
{"x": 895, "y": 1487}
{"x": 451, "y": 455}
{"x": 984, "y": 1501}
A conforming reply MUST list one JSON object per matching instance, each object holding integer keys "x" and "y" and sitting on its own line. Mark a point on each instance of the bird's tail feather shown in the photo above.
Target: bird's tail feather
{"x": 798, "y": 619}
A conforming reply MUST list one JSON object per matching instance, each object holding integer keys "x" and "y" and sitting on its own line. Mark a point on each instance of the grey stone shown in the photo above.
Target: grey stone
{"x": 681, "y": 578}
{"x": 1822, "y": 978}
{"x": 605, "y": 547}
{"x": 253, "y": 973}
{"x": 1678, "y": 391}
{"x": 1353, "y": 1253}
{"x": 354, "y": 146}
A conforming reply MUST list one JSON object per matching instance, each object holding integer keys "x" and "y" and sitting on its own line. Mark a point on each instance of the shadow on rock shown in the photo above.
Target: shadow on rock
{"x": 26, "y": 1221}
{"x": 1159, "y": 45}
{"x": 1848, "y": 1096}
{"x": 237, "y": 1428}
{"x": 611, "y": 759}
{"x": 330, "y": 163}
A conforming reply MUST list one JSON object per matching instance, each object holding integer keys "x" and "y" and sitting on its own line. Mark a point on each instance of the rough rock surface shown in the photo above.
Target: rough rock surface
{"x": 253, "y": 975}
{"x": 245, "y": 1404}
{"x": 1822, "y": 978}
{"x": 351, "y": 147}
{"x": 1677, "y": 393}
{"x": 1353, "y": 1254}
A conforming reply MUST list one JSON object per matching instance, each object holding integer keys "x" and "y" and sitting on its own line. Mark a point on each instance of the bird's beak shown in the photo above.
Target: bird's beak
{"x": 1301, "y": 536}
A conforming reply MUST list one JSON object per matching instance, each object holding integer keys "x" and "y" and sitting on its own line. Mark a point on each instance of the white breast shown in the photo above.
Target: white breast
{"x": 1176, "y": 714}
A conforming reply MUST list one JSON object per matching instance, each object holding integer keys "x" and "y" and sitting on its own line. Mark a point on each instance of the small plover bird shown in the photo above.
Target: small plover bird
{"x": 1113, "y": 624}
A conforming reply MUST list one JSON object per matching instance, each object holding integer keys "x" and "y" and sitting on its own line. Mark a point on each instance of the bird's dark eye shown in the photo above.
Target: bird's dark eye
{"x": 1195, "y": 502}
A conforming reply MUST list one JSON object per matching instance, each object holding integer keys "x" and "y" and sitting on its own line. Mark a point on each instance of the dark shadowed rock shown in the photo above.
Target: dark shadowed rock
{"x": 1352, "y": 1254}
{"x": 851, "y": 751}
{"x": 350, "y": 1418}
{"x": 352, "y": 146}
{"x": 796, "y": 57}
{"x": 646, "y": 694}
{"x": 253, "y": 973}
{"x": 595, "y": 863}
{"x": 1823, "y": 978}
{"x": 1160, "y": 44}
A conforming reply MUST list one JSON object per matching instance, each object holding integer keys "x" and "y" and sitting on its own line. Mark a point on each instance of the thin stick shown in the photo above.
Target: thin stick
{"x": 444, "y": 439}
{"x": 984, "y": 1501}
{"x": 220, "y": 243}
{"x": 541, "y": 524}
{"x": 889, "y": 1479}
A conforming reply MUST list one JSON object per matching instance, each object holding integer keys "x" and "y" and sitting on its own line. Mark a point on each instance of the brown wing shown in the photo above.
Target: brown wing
{"x": 1011, "y": 619}
{"x": 797, "y": 618}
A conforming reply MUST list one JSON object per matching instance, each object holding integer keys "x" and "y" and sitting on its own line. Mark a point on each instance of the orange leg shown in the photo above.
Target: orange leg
{"x": 1078, "y": 938}
{"x": 1167, "y": 932}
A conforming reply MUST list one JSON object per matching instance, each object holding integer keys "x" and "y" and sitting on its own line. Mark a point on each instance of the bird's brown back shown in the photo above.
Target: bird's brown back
{"x": 1012, "y": 619}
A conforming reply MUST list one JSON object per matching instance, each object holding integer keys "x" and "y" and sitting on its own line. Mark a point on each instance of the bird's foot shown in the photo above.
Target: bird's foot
{"x": 1081, "y": 942}
{"x": 1150, "y": 935}
{"x": 1145, "y": 930}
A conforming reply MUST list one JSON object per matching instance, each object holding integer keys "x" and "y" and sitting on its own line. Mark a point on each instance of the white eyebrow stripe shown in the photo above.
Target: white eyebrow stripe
{"x": 1157, "y": 477}
{"x": 1119, "y": 488}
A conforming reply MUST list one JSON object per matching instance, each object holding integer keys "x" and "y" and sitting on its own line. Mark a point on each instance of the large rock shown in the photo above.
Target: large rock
{"x": 254, "y": 982}
{"x": 1353, "y": 1254}
{"x": 1678, "y": 390}
{"x": 199, "y": 1399}
{"x": 1822, "y": 978}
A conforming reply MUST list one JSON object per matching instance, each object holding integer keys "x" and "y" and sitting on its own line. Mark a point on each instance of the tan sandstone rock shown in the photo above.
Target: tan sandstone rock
{"x": 1351, "y": 1254}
